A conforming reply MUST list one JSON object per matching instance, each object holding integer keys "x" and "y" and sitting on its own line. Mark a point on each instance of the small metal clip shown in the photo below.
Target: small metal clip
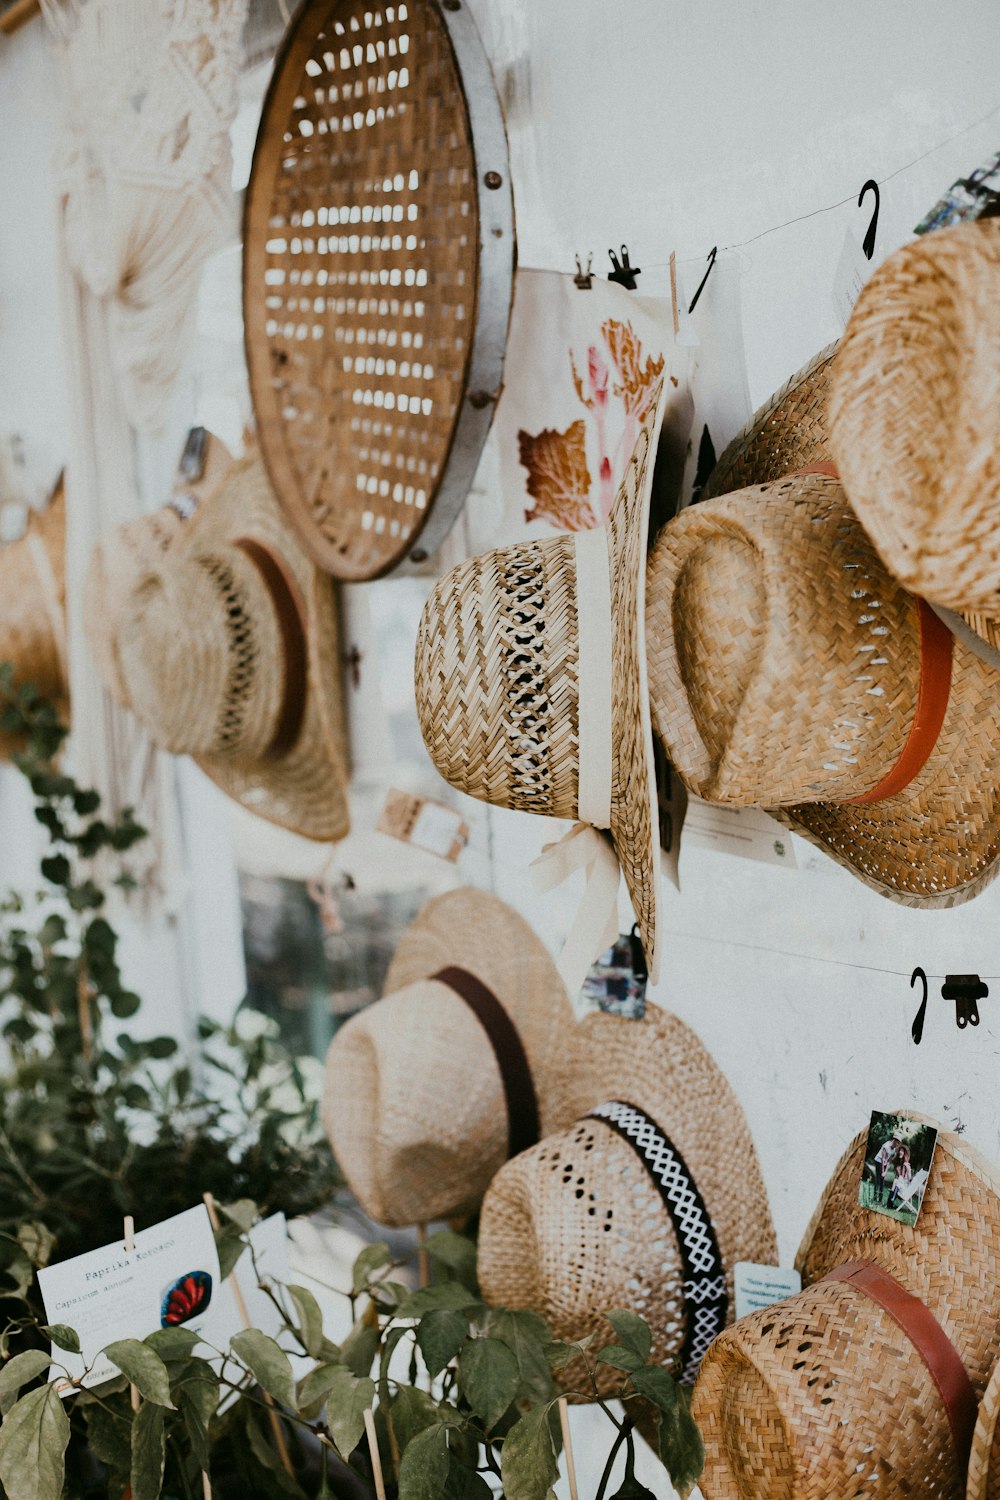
{"x": 623, "y": 272}
{"x": 583, "y": 278}
{"x": 965, "y": 990}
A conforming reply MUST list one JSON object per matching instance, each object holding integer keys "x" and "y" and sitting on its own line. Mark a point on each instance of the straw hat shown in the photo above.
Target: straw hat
{"x": 529, "y": 703}
{"x": 429, "y": 1090}
{"x": 33, "y": 609}
{"x": 646, "y": 1202}
{"x": 913, "y": 419}
{"x": 788, "y": 670}
{"x": 984, "y": 1461}
{"x": 227, "y": 648}
{"x": 864, "y": 1384}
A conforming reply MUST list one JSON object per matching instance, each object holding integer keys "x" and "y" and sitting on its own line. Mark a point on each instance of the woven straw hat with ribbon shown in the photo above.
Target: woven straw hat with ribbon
{"x": 866, "y": 1382}
{"x": 532, "y": 694}
{"x": 460, "y": 1066}
{"x": 227, "y": 649}
{"x": 913, "y": 422}
{"x": 646, "y": 1202}
{"x": 33, "y": 609}
{"x": 788, "y": 670}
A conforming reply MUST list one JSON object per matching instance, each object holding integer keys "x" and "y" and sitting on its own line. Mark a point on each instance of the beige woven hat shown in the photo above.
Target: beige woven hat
{"x": 227, "y": 648}
{"x": 984, "y": 1460}
{"x": 458, "y": 1067}
{"x": 529, "y": 702}
{"x": 866, "y": 1383}
{"x": 646, "y": 1202}
{"x": 788, "y": 670}
{"x": 33, "y": 609}
{"x": 913, "y": 422}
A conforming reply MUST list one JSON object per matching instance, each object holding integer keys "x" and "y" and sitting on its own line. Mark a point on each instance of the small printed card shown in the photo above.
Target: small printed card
{"x": 424, "y": 823}
{"x": 616, "y": 983}
{"x": 898, "y": 1160}
{"x": 974, "y": 197}
{"x": 745, "y": 831}
{"x": 762, "y": 1286}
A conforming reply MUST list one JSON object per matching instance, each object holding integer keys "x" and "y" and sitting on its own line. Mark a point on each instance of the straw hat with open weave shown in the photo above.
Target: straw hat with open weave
{"x": 33, "y": 609}
{"x": 414, "y": 1101}
{"x": 785, "y": 666}
{"x": 227, "y": 649}
{"x": 577, "y": 1226}
{"x": 913, "y": 419}
{"x": 498, "y": 685}
{"x": 824, "y": 1396}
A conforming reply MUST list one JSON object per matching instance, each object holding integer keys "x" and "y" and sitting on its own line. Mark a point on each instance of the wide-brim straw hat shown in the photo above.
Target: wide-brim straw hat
{"x": 227, "y": 645}
{"x": 462, "y": 1063}
{"x": 913, "y": 421}
{"x": 646, "y": 1202}
{"x": 866, "y": 1382}
{"x": 531, "y": 689}
{"x": 33, "y": 609}
{"x": 789, "y": 670}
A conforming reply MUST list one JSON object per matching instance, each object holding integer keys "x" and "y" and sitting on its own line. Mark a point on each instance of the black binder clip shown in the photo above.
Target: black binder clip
{"x": 965, "y": 990}
{"x": 624, "y": 273}
{"x": 639, "y": 966}
{"x": 583, "y": 280}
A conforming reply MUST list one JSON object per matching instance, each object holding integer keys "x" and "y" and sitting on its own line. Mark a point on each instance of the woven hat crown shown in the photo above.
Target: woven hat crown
{"x": 784, "y": 661}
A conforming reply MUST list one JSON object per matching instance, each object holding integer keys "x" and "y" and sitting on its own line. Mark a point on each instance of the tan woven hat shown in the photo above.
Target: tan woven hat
{"x": 788, "y": 670}
{"x": 458, "y": 1067}
{"x": 865, "y": 1384}
{"x": 913, "y": 421}
{"x": 529, "y": 702}
{"x": 33, "y": 609}
{"x": 984, "y": 1460}
{"x": 227, "y": 648}
{"x": 646, "y": 1202}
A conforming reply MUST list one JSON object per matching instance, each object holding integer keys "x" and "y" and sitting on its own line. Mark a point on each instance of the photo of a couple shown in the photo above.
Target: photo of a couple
{"x": 897, "y": 1166}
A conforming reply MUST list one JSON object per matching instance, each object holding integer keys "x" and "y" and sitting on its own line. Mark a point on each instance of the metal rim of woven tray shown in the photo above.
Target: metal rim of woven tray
{"x": 493, "y": 295}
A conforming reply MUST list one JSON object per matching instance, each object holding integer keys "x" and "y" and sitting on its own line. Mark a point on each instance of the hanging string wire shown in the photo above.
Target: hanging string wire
{"x": 809, "y": 958}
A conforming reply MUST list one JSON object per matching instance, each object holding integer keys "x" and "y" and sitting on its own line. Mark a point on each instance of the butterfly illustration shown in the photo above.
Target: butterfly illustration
{"x": 185, "y": 1298}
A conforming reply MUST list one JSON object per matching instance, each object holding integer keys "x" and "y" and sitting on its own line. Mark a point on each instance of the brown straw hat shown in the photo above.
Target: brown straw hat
{"x": 866, "y": 1382}
{"x": 33, "y": 609}
{"x": 646, "y": 1202}
{"x": 227, "y": 648}
{"x": 984, "y": 1460}
{"x": 788, "y": 670}
{"x": 913, "y": 421}
{"x": 459, "y": 1066}
{"x": 529, "y": 702}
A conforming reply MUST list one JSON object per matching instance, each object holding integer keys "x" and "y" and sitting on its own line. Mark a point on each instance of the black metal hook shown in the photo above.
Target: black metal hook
{"x": 583, "y": 278}
{"x": 917, "y": 1030}
{"x": 965, "y": 990}
{"x": 868, "y": 245}
{"x": 623, "y": 273}
{"x": 701, "y": 285}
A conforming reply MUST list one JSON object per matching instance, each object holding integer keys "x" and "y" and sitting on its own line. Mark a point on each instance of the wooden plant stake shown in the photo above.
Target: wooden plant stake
{"x": 241, "y": 1308}
{"x": 574, "y": 1493}
{"x": 423, "y": 1259}
{"x": 129, "y": 1248}
{"x": 373, "y": 1450}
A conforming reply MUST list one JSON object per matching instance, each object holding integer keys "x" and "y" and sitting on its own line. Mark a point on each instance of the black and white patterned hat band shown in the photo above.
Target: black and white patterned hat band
{"x": 704, "y": 1273}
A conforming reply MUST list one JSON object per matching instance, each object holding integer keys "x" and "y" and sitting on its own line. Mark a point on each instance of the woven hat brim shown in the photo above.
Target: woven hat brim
{"x": 788, "y": 432}
{"x": 305, "y": 789}
{"x": 33, "y": 613}
{"x": 984, "y": 1460}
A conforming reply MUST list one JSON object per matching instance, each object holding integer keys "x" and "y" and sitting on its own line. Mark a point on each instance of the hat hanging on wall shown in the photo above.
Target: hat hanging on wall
{"x": 459, "y": 1066}
{"x": 646, "y": 1202}
{"x": 529, "y": 700}
{"x": 378, "y": 273}
{"x": 984, "y": 1460}
{"x": 789, "y": 671}
{"x": 33, "y": 609}
{"x": 866, "y": 1382}
{"x": 913, "y": 422}
{"x": 227, "y": 650}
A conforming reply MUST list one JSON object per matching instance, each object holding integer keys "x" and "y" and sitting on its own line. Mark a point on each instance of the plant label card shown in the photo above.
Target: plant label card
{"x": 897, "y": 1166}
{"x": 424, "y": 823}
{"x": 170, "y": 1278}
{"x": 745, "y": 831}
{"x": 761, "y": 1286}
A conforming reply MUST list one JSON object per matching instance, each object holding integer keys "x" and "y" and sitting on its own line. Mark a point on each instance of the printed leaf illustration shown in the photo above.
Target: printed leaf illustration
{"x": 596, "y": 394}
{"x": 558, "y": 477}
{"x": 637, "y": 380}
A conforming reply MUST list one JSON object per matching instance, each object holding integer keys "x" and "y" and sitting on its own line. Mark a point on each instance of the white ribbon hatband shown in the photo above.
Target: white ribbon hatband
{"x": 593, "y": 621}
{"x": 595, "y": 926}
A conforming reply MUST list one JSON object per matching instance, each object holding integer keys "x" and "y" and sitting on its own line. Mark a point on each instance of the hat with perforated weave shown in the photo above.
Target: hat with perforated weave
{"x": 227, "y": 649}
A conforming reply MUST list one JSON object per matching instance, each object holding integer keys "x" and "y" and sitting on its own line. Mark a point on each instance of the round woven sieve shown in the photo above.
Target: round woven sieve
{"x": 377, "y": 278}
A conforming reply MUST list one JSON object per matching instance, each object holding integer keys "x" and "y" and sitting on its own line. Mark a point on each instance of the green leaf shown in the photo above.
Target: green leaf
{"x": 346, "y": 1404}
{"x": 264, "y": 1452}
{"x": 632, "y": 1331}
{"x": 34, "y": 1436}
{"x": 18, "y": 1371}
{"x": 681, "y": 1448}
{"x": 144, "y": 1368}
{"x": 267, "y": 1363}
{"x": 489, "y": 1378}
{"x": 198, "y": 1401}
{"x": 528, "y": 1457}
{"x": 173, "y": 1343}
{"x": 658, "y": 1386}
{"x": 243, "y": 1213}
{"x": 316, "y": 1386}
{"x": 424, "y": 1467}
{"x": 413, "y": 1411}
{"x": 360, "y": 1348}
{"x": 109, "y": 1435}
{"x": 527, "y": 1336}
{"x": 456, "y": 1254}
{"x": 124, "y": 1004}
{"x": 371, "y": 1259}
{"x": 444, "y": 1294}
{"x": 55, "y": 868}
{"x": 229, "y": 1245}
{"x": 620, "y": 1358}
{"x": 310, "y": 1325}
{"x": 441, "y": 1334}
{"x": 148, "y": 1452}
{"x": 62, "y": 1336}
{"x": 464, "y": 1483}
